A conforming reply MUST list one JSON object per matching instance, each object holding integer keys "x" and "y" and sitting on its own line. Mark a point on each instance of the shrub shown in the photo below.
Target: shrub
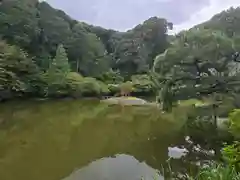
{"x": 80, "y": 86}
{"x": 92, "y": 87}
{"x": 112, "y": 77}
{"x": 142, "y": 84}
{"x": 74, "y": 82}
{"x": 217, "y": 172}
{"x": 103, "y": 88}
{"x": 114, "y": 88}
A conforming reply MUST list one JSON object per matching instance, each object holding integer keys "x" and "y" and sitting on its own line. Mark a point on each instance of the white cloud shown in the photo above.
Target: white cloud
{"x": 216, "y": 6}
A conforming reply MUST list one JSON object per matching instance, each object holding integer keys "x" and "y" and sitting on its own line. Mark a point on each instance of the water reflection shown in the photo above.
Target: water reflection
{"x": 49, "y": 140}
{"x": 176, "y": 153}
{"x": 121, "y": 167}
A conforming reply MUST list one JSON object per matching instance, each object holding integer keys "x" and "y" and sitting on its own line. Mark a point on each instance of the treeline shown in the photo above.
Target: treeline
{"x": 202, "y": 62}
{"x": 37, "y": 31}
{"x": 47, "y": 53}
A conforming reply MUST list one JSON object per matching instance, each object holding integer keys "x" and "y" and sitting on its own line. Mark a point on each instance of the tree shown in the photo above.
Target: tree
{"x": 57, "y": 73}
{"x": 87, "y": 53}
{"x": 18, "y": 73}
{"x": 112, "y": 77}
{"x": 135, "y": 49}
{"x": 38, "y": 29}
{"x": 60, "y": 62}
{"x": 19, "y": 23}
{"x": 226, "y": 21}
{"x": 199, "y": 63}
{"x": 55, "y": 27}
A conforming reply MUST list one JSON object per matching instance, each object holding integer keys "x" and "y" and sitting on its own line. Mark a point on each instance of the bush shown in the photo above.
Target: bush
{"x": 114, "y": 88}
{"x": 217, "y": 172}
{"x": 92, "y": 87}
{"x": 112, "y": 77}
{"x": 78, "y": 86}
{"x": 228, "y": 170}
{"x": 74, "y": 84}
{"x": 104, "y": 90}
{"x": 142, "y": 84}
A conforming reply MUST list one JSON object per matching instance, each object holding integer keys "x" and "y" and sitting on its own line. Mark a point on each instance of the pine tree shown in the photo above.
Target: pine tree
{"x": 58, "y": 71}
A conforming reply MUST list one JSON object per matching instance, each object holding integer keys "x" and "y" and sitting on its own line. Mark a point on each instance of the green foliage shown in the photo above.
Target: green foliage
{"x": 104, "y": 34}
{"x": 54, "y": 28}
{"x": 199, "y": 63}
{"x": 87, "y": 52}
{"x": 74, "y": 84}
{"x": 217, "y": 172}
{"x": 226, "y": 21}
{"x": 136, "y": 49}
{"x": 231, "y": 155}
{"x": 142, "y": 84}
{"x": 18, "y": 22}
{"x": 39, "y": 29}
{"x": 60, "y": 63}
{"x": 114, "y": 57}
{"x": 91, "y": 87}
{"x": 17, "y": 70}
{"x": 227, "y": 171}
{"x": 57, "y": 73}
{"x": 235, "y": 122}
{"x": 112, "y": 77}
{"x": 114, "y": 89}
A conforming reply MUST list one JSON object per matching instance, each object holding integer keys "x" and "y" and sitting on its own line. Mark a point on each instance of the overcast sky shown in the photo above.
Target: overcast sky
{"x": 125, "y": 14}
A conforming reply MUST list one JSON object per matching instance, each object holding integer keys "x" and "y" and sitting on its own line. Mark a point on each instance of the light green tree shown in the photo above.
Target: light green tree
{"x": 56, "y": 75}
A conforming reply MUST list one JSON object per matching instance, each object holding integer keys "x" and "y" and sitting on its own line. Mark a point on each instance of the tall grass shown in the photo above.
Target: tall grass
{"x": 211, "y": 172}
{"x": 217, "y": 172}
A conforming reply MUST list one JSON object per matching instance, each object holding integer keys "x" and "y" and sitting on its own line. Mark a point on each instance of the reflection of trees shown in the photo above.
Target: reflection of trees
{"x": 134, "y": 132}
{"x": 73, "y": 134}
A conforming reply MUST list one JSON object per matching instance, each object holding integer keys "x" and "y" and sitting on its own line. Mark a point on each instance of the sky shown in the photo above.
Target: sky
{"x": 125, "y": 14}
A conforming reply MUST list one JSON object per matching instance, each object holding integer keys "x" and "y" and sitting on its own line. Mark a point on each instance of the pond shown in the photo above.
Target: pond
{"x": 88, "y": 140}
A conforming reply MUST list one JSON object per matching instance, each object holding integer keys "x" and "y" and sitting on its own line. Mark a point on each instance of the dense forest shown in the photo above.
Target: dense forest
{"x": 48, "y": 48}
{"x": 46, "y": 53}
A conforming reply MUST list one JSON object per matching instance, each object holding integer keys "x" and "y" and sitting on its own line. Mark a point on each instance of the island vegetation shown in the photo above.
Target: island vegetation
{"x": 44, "y": 53}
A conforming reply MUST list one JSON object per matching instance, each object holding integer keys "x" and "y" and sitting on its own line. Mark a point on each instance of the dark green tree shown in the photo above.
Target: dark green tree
{"x": 136, "y": 49}
{"x": 19, "y": 23}
{"x": 199, "y": 63}
{"x": 226, "y": 21}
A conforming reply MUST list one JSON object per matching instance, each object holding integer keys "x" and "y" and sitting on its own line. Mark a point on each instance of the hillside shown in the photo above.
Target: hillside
{"x": 227, "y": 21}
{"x": 44, "y": 52}
{"x": 39, "y": 29}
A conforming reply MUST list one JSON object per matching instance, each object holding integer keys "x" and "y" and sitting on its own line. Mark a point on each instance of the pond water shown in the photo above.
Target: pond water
{"x": 89, "y": 140}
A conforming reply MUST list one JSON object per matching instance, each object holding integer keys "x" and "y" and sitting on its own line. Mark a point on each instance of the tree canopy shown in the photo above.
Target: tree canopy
{"x": 38, "y": 28}
{"x": 43, "y": 46}
{"x": 198, "y": 63}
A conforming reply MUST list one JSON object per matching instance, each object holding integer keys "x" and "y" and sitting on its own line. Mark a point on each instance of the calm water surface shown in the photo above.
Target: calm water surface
{"x": 89, "y": 140}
